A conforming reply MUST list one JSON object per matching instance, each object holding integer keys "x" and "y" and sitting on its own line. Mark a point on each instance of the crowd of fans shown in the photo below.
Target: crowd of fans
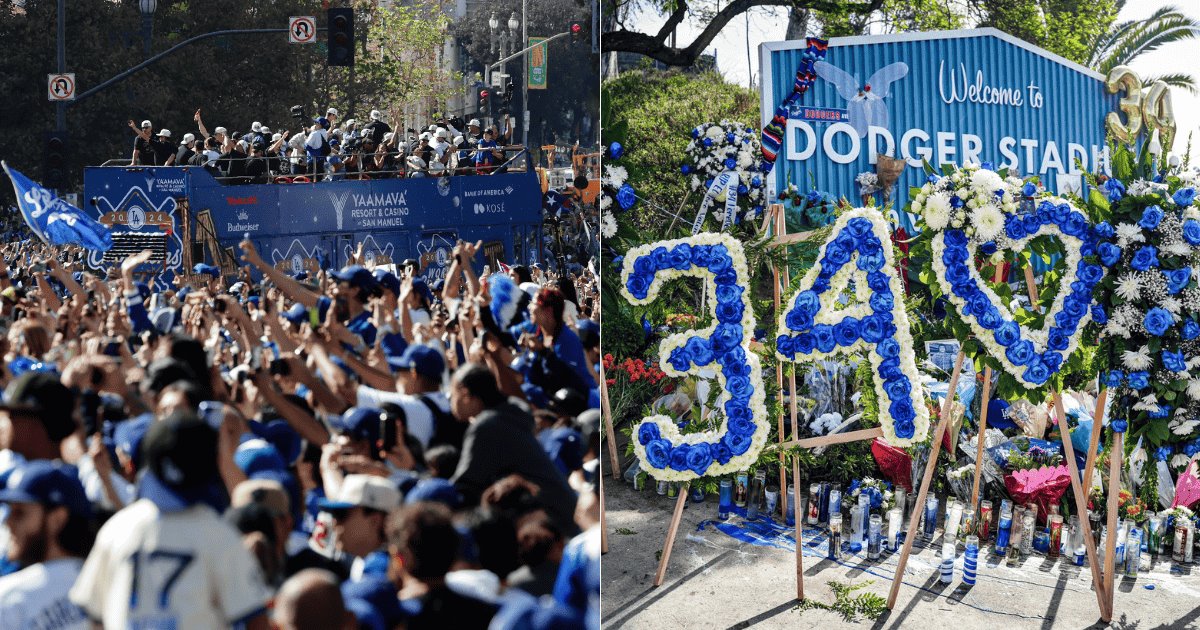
{"x": 326, "y": 148}
{"x": 358, "y": 449}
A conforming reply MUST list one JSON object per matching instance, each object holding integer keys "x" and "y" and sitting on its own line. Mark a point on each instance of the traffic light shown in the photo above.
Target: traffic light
{"x": 508, "y": 91}
{"x": 485, "y": 102}
{"x": 576, "y": 30}
{"x": 341, "y": 37}
{"x": 54, "y": 168}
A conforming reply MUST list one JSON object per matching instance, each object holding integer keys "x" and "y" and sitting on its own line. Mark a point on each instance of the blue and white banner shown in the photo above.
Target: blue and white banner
{"x": 725, "y": 182}
{"x": 55, "y": 221}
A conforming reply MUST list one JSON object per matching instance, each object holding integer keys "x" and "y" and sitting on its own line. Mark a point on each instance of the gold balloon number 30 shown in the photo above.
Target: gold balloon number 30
{"x": 1155, "y": 107}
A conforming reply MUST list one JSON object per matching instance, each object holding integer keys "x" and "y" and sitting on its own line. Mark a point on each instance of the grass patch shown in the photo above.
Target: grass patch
{"x": 866, "y": 605}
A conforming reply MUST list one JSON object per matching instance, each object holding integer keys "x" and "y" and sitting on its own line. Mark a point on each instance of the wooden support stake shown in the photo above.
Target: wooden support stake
{"x": 671, "y": 531}
{"x": 780, "y": 234}
{"x": 1114, "y": 489}
{"x": 609, "y": 433}
{"x": 934, "y": 451}
{"x": 836, "y": 438}
{"x": 1097, "y": 419}
{"x": 773, "y": 221}
{"x": 983, "y": 418}
{"x": 1081, "y": 504}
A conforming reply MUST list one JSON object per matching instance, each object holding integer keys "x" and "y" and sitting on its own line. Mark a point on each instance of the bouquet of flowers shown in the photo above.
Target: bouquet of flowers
{"x": 879, "y": 491}
{"x": 727, "y": 146}
{"x": 1130, "y": 508}
{"x": 814, "y": 208}
{"x": 868, "y": 183}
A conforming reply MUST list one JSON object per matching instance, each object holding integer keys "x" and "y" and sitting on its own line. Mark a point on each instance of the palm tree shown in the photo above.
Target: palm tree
{"x": 1127, "y": 40}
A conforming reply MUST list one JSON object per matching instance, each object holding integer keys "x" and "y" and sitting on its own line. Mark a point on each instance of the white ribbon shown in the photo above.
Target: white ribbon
{"x": 726, "y": 182}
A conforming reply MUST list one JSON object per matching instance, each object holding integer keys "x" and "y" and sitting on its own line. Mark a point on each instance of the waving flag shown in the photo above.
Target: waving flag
{"x": 55, "y": 221}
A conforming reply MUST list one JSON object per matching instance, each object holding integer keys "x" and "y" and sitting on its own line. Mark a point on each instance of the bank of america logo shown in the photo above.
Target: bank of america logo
{"x": 339, "y": 204}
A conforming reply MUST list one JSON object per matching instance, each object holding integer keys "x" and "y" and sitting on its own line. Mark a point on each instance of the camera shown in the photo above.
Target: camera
{"x": 298, "y": 112}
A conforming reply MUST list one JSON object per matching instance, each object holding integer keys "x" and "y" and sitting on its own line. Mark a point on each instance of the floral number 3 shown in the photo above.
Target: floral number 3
{"x": 876, "y": 321}
{"x": 718, "y": 259}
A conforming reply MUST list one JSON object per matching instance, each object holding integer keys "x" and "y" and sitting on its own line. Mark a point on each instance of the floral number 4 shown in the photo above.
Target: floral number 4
{"x": 718, "y": 259}
{"x": 859, "y": 249}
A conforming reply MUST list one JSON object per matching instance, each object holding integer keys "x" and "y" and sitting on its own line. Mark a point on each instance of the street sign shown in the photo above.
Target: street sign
{"x": 499, "y": 79}
{"x": 60, "y": 87}
{"x": 302, "y": 29}
{"x": 539, "y": 56}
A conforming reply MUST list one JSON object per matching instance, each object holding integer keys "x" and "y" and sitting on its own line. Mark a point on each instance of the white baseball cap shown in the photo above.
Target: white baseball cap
{"x": 146, "y": 123}
{"x": 333, "y": 111}
{"x": 255, "y": 126}
{"x": 276, "y": 137}
{"x": 442, "y": 133}
{"x": 265, "y": 129}
{"x": 350, "y": 123}
{"x": 366, "y": 491}
{"x": 166, "y": 133}
{"x": 376, "y": 114}
{"x": 474, "y": 122}
{"x": 220, "y": 131}
{"x": 188, "y": 137}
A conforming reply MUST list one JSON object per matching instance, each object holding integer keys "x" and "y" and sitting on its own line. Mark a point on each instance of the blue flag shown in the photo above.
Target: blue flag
{"x": 55, "y": 221}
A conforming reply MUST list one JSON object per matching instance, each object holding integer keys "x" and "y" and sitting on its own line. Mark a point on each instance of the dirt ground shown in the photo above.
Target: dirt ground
{"x": 716, "y": 581}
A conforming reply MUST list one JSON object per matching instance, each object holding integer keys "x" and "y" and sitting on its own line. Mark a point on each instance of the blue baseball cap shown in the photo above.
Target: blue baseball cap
{"x": 589, "y": 332}
{"x": 297, "y": 314}
{"x": 360, "y": 423}
{"x": 143, "y": 289}
{"x": 435, "y": 489}
{"x": 422, "y": 289}
{"x": 379, "y": 594}
{"x": 425, "y": 360}
{"x": 388, "y": 280}
{"x": 212, "y": 270}
{"x": 128, "y": 436}
{"x": 323, "y": 121}
{"x": 49, "y": 484}
{"x": 256, "y": 455}
{"x": 182, "y": 293}
{"x": 281, "y": 435}
{"x": 356, "y": 275}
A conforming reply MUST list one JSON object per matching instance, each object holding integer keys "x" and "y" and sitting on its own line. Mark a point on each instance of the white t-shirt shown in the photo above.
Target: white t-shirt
{"x": 419, "y": 419}
{"x": 93, "y": 486}
{"x": 35, "y": 598}
{"x": 185, "y": 569}
{"x": 314, "y": 139}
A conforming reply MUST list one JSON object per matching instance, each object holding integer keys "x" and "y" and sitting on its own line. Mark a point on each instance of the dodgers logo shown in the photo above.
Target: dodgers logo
{"x": 136, "y": 218}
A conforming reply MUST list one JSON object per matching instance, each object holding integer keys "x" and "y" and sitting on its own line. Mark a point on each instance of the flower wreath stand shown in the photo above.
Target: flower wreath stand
{"x": 1103, "y": 585}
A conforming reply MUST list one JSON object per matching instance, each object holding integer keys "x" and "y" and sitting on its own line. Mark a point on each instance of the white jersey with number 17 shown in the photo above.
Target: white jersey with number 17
{"x": 156, "y": 570}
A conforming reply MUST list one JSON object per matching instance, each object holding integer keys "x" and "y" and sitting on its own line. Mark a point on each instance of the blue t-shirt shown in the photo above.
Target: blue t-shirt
{"x": 564, "y": 446}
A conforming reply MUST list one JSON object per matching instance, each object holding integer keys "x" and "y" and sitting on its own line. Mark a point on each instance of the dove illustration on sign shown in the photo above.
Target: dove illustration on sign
{"x": 864, "y": 101}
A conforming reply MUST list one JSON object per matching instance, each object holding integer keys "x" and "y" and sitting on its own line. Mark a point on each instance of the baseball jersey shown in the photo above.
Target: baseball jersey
{"x": 418, "y": 419}
{"x": 155, "y": 570}
{"x": 35, "y": 598}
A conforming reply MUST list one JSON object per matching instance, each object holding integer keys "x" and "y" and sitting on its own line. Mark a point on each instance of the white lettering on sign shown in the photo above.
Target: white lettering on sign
{"x": 916, "y": 146}
{"x": 962, "y": 90}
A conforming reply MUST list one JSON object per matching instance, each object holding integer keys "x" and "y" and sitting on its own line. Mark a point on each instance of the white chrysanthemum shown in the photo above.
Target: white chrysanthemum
{"x": 1172, "y": 304}
{"x": 695, "y": 182}
{"x": 985, "y": 182}
{"x": 1137, "y": 359}
{"x": 1177, "y": 248}
{"x": 605, "y": 202}
{"x": 1191, "y": 212}
{"x": 1179, "y": 461}
{"x": 937, "y": 211}
{"x": 1129, "y": 233}
{"x": 616, "y": 175}
{"x": 1180, "y": 426}
{"x": 744, "y": 161}
{"x": 1193, "y": 389}
{"x": 1147, "y": 403}
{"x": 715, "y": 132}
{"x": 608, "y": 225}
{"x": 1128, "y": 288}
{"x": 989, "y": 222}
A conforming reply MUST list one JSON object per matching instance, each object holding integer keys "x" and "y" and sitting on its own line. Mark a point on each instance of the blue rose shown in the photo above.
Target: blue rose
{"x": 1191, "y": 231}
{"x": 1114, "y": 189}
{"x": 1052, "y": 360}
{"x": 1057, "y": 340}
{"x": 1191, "y": 329}
{"x": 730, "y": 312}
{"x": 1029, "y": 189}
{"x": 1007, "y": 333}
{"x": 804, "y": 343}
{"x": 741, "y": 426}
{"x": 954, "y": 238}
{"x": 725, "y": 338}
{"x": 1162, "y": 453}
{"x": 730, "y": 163}
{"x": 720, "y": 452}
{"x": 1020, "y": 353}
{"x": 808, "y": 301}
{"x": 679, "y": 457}
{"x": 685, "y": 169}
{"x": 1174, "y": 361}
{"x": 1098, "y": 315}
{"x": 638, "y": 285}
{"x": 1178, "y": 279}
{"x": 1184, "y": 197}
{"x": 700, "y": 458}
{"x": 837, "y": 253}
{"x": 1104, "y": 229}
{"x": 727, "y": 277}
{"x": 897, "y": 389}
{"x": 1060, "y": 213}
{"x": 658, "y": 453}
{"x": 680, "y": 359}
{"x": 1151, "y": 217}
{"x": 681, "y": 258}
{"x": 662, "y": 257}
{"x": 1157, "y": 321}
{"x": 1139, "y": 380}
{"x": 738, "y": 444}
{"x": 700, "y": 350}
{"x": 1032, "y": 224}
{"x": 989, "y": 319}
{"x": 904, "y": 429}
{"x": 708, "y": 142}
{"x": 1113, "y": 378}
{"x": 1014, "y": 228}
{"x": 783, "y": 345}
{"x": 695, "y": 132}
{"x": 1075, "y": 308}
{"x": 878, "y": 281}
{"x": 988, "y": 248}
{"x": 615, "y": 151}
{"x": 739, "y": 388}
{"x": 702, "y": 256}
{"x": 980, "y": 303}
{"x": 730, "y": 293}
{"x": 719, "y": 259}
{"x": 859, "y": 227}
{"x": 882, "y": 301}
{"x": 889, "y": 369}
{"x": 846, "y": 331}
{"x": 956, "y": 201}
{"x": 954, "y": 256}
{"x": 1119, "y": 426}
{"x": 798, "y": 319}
{"x": 872, "y": 261}
{"x": 1109, "y": 254}
{"x": 626, "y": 196}
{"x": 729, "y": 137}
{"x": 645, "y": 265}
{"x": 902, "y": 411}
{"x": 1145, "y": 258}
{"x": 872, "y": 328}
{"x": 823, "y": 333}
{"x": 1036, "y": 373}
{"x": 888, "y": 348}
{"x": 647, "y": 432}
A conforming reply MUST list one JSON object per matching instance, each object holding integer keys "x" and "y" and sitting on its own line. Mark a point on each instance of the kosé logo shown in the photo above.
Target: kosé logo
{"x": 488, "y": 208}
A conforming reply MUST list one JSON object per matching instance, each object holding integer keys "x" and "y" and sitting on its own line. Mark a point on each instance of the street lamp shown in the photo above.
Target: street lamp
{"x": 503, "y": 41}
{"x": 147, "y": 7}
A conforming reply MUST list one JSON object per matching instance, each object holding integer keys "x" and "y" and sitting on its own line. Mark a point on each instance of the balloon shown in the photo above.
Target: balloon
{"x": 1124, "y": 79}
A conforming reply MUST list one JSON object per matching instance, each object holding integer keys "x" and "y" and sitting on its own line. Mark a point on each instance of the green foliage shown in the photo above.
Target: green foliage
{"x": 1124, "y": 42}
{"x": 866, "y": 605}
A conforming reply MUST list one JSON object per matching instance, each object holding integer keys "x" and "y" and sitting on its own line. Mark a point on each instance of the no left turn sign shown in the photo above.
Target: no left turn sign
{"x": 60, "y": 87}
{"x": 302, "y": 29}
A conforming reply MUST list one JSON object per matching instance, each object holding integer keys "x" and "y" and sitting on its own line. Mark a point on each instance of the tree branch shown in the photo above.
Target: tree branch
{"x": 654, "y": 46}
